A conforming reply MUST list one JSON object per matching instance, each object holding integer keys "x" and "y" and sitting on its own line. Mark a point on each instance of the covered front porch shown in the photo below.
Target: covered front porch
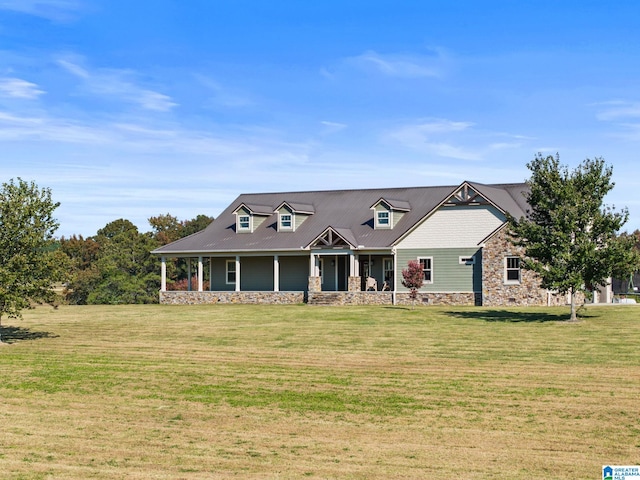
{"x": 282, "y": 278}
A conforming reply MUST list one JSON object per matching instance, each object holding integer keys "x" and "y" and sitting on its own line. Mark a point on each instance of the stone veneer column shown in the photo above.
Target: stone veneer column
{"x": 354, "y": 284}
{"x": 315, "y": 284}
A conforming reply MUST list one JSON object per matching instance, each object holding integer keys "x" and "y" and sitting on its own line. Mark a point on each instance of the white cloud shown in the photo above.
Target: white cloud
{"x": 617, "y": 110}
{"x": 428, "y": 137}
{"x": 18, "y": 88}
{"x": 400, "y": 65}
{"x": 452, "y": 139}
{"x": 48, "y": 129}
{"x": 117, "y": 84}
{"x": 332, "y": 127}
{"x": 73, "y": 68}
{"x": 55, "y": 10}
{"x": 224, "y": 96}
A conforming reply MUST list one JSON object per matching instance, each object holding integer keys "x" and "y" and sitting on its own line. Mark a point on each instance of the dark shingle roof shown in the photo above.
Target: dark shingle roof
{"x": 342, "y": 210}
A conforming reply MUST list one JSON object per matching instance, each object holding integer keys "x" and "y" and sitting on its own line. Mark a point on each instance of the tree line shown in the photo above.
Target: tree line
{"x": 116, "y": 266}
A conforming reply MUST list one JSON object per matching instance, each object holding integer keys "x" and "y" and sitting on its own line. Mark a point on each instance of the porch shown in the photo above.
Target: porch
{"x": 283, "y": 278}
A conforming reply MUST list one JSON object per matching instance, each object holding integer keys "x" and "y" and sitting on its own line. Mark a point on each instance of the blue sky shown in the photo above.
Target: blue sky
{"x": 131, "y": 109}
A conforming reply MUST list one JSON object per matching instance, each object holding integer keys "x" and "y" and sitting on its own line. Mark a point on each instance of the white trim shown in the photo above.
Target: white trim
{"x": 281, "y": 227}
{"x": 249, "y": 228}
{"x": 163, "y": 274}
{"x": 276, "y": 273}
{"x": 227, "y": 271}
{"x": 430, "y": 281}
{"x": 389, "y": 220}
{"x": 391, "y": 272}
{"x": 467, "y": 260}
{"x": 507, "y": 281}
{"x": 237, "y": 273}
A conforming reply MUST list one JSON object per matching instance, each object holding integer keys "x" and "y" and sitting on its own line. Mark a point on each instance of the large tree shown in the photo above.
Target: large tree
{"x": 569, "y": 236}
{"x": 30, "y": 260}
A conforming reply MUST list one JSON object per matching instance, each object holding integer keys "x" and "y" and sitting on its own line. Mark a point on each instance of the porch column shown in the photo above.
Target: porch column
{"x": 163, "y": 274}
{"x": 200, "y": 274}
{"x": 276, "y": 274}
{"x": 237, "y": 273}
{"x": 394, "y": 252}
{"x": 189, "y": 286}
{"x": 313, "y": 266}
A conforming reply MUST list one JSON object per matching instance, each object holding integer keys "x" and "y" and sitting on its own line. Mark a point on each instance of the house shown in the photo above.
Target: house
{"x": 627, "y": 289}
{"x": 350, "y": 246}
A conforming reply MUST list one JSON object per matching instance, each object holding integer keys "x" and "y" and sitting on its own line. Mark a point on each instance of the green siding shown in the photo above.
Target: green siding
{"x": 448, "y": 274}
{"x": 256, "y": 274}
{"x": 299, "y": 218}
{"x": 294, "y": 274}
{"x": 219, "y": 275}
{"x": 397, "y": 216}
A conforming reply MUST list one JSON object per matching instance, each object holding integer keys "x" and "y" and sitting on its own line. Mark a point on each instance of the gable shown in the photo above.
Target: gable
{"x": 334, "y": 239}
{"x": 455, "y": 227}
{"x": 466, "y": 195}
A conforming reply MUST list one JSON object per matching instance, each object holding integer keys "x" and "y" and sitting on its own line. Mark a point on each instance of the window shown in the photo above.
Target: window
{"x": 382, "y": 218}
{"x": 387, "y": 271}
{"x": 512, "y": 270}
{"x": 427, "y": 268}
{"x": 231, "y": 272}
{"x": 286, "y": 222}
{"x": 244, "y": 222}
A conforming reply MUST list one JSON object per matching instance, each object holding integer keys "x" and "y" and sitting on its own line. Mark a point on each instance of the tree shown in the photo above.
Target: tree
{"x": 30, "y": 261}
{"x": 413, "y": 278}
{"x": 569, "y": 236}
{"x": 167, "y": 229}
{"x": 84, "y": 276}
{"x": 125, "y": 269}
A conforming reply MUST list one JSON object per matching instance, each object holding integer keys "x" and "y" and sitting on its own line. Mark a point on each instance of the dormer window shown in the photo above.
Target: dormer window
{"x": 387, "y": 213}
{"x": 382, "y": 219}
{"x": 244, "y": 223}
{"x": 286, "y": 221}
{"x": 250, "y": 217}
{"x": 292, "y": 214}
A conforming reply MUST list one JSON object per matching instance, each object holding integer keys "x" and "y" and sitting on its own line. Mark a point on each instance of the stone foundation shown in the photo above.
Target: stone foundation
{"x": 428, "y": 298}
{"x": 199, "y": 298}
{"x": 350, "y": 298}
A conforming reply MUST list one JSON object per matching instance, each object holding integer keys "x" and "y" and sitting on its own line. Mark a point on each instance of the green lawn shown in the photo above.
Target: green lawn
{"x": 201, "y": 392}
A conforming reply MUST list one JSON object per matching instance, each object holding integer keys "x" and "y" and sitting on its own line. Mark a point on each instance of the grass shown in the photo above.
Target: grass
{"x": 195, "y": 392}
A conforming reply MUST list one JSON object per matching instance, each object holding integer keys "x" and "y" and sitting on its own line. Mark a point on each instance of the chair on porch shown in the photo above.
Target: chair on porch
{"x": 385, "y": 286}
{"x": 371, "y": 283}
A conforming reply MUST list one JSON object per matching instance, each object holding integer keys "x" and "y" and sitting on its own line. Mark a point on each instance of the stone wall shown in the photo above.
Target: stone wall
{"x": 350, "y": 298}
{"x": 435, "y": 298}
{"x": 354, "y": 284}
{"x": 495, "y": 292}
{"x": 197, "y": 298}
{"x": 315, "y": 284}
